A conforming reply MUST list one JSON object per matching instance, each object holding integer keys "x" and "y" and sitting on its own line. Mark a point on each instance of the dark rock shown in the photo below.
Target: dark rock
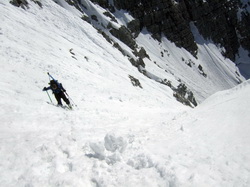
{"x": 117, "y": 46}
{"x": 185, "y": 96}
{"x": 94, "y": 17}
{"x": 86, "y": 18}
{"x": 20, "y": 3}
{"x": 105, "y": 4}
{"x": 137, "y": 63}
{"x": 105, "y": 36}
{"x": 217, "y": 20}
{"x": 135, "y": 82}
{"x": 161, "y": 16}
{"x": 134, "y": 27}
{"x": 142, "y": 53}
{"x": 125, "y": 36}
{"x": 108, "y": 14}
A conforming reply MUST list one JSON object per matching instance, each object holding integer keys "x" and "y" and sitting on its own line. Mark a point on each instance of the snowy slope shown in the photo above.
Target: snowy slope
{"x": 168, "y": 62}
{"x": 212, "y": 146}
{"x": 119, "y": 135}
{"x": 166, "y": 57}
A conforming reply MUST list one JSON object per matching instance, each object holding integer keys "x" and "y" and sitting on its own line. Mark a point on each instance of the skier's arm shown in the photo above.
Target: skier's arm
{"x": 48, "y": 88}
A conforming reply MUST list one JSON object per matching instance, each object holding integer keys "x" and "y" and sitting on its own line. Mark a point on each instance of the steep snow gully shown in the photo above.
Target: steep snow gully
{"x": 119, "y": 135}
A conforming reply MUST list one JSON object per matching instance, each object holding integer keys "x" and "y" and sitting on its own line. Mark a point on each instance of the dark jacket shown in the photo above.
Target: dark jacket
{"x": 55, "y": 86}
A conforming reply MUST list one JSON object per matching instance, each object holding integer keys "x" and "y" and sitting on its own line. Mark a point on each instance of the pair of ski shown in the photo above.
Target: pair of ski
{"x": 65, "y": 107}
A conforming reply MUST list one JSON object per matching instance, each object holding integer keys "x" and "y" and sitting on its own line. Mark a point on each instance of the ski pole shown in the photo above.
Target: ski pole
{"x": 70, "y": 99}
{"x": 49, "y": 96}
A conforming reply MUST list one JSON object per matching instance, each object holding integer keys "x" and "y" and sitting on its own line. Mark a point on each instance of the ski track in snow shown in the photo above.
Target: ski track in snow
{"x": 119, "y": 135}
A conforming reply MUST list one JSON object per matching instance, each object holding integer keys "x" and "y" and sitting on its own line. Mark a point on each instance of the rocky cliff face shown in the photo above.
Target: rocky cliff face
{"x": 226, "y": 22}
{"x": 159, "y": 17}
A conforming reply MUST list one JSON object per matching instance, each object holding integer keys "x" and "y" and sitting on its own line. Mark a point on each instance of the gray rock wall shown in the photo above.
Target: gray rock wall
{"x": 226, "y": 22}
{"x": 217, "y": 20}
{"x": 161, "y": 17}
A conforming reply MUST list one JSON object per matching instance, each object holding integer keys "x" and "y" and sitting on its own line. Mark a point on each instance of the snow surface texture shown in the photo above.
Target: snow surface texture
{"x": 119, "y": 135}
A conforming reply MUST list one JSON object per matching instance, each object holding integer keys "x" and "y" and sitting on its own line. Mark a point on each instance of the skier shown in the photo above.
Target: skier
{"x": 58, "y": 91}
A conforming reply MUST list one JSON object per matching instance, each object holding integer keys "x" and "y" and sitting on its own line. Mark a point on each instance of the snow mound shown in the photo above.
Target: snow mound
{"x": 110, "y": 150}
{"x": 123, "y": 154}
{"x": 113, "y": 143}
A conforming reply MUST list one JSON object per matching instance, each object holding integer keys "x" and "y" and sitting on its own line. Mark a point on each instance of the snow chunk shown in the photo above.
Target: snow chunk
{"x": 113, "y": 143}
{"x": 110, "y": 150}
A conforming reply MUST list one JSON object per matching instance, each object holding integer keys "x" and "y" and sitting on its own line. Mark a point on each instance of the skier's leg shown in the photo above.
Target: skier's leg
{"x": 66, "y": 100}
{"x": 58, "y": 98}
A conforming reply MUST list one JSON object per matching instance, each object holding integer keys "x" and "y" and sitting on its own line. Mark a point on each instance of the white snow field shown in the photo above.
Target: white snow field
{"x": 118, "y": 135}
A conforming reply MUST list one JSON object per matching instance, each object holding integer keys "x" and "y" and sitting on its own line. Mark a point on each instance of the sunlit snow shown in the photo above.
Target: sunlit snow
{"x": 118, "y": 135}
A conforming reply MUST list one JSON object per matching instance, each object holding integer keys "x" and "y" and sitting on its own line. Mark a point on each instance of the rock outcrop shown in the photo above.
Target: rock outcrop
{"x": 160, "y": 17}
{"x": 226, "y": 22}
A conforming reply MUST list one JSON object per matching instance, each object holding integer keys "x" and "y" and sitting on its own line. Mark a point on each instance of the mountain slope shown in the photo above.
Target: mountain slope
{"x": 164, "y": 62}
{"x": 212, "y": 145}
{"x": 119, "y": 135}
